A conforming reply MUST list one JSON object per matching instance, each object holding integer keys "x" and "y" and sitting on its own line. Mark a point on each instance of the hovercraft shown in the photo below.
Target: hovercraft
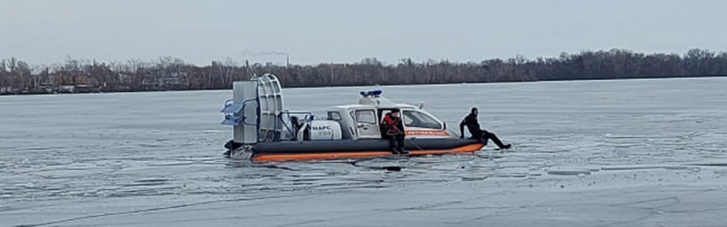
{"x": 263, "y": 130}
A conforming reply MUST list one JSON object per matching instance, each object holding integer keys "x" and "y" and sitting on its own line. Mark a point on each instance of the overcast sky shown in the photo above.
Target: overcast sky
{"x": 313, "y": 31}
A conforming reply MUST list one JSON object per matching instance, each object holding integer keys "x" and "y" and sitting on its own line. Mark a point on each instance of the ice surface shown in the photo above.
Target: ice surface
{"x": 587, "y": 153}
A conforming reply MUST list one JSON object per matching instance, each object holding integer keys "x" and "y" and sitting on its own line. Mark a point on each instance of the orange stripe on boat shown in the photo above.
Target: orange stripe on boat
{"x": 357, "y": 155}
{"x": 426, "y": 133}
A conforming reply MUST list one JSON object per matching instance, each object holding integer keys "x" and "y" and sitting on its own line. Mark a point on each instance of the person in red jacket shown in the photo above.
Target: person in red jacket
{"x": 394, "y": 129}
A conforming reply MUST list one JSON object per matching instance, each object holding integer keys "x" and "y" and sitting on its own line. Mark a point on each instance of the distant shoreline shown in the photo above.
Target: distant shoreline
{"x": 173, "y": 74}
{"x": 411, "y": 84}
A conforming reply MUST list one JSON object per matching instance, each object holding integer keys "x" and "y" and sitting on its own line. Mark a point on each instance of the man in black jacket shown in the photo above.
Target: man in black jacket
{"x": 474, "y": 127}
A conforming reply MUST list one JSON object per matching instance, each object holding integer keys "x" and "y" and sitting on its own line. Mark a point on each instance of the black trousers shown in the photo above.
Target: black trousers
{"x": 484, "y": 136}
{"x": 396, "y": 142}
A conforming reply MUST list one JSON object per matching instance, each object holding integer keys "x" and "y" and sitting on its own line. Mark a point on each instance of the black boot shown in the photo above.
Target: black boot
{"x": 493, "y": 137}
{"x": 392, "y": 146}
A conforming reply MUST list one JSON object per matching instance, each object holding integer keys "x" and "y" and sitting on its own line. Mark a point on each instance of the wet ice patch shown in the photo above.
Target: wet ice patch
{"x": 711, "y": 164}
{"x": 151, "y": 180}
{"x": 170, "y": 163}
{"x": 568, "y": 172}
{"x": 644, "y": 167}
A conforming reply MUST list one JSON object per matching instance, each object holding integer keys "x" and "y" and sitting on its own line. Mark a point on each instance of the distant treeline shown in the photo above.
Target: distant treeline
{"x": 168, "y": 73}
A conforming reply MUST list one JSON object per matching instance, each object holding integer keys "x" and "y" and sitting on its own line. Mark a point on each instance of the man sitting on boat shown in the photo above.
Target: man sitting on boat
{"x": 480, "y": 134}
{"x": 395, "y": 132}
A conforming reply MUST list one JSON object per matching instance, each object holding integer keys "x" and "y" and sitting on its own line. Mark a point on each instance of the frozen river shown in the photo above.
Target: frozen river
{"x": 587, "y": 153}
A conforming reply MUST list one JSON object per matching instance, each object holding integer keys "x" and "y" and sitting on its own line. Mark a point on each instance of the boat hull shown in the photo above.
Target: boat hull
{"x": 347, "y": 149}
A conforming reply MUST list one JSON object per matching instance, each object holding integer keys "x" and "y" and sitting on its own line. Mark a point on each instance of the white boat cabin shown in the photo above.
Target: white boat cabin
{"x": 258, "y": 115}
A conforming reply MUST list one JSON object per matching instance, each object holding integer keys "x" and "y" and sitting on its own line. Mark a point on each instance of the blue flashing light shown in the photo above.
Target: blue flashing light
{"x": 375, "y": 93}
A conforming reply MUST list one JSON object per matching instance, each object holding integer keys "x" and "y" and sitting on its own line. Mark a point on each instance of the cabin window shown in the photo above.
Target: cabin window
{"x": 420, "y": 120}
{"x": 332, "y": 115}
{"x": 366, "y": 117}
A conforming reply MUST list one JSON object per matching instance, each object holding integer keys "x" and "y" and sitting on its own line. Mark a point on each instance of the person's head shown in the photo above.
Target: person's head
{"x": 294, "y": 120}
{"x": 395, "y": 112}
{"x": 474, "y": 111}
